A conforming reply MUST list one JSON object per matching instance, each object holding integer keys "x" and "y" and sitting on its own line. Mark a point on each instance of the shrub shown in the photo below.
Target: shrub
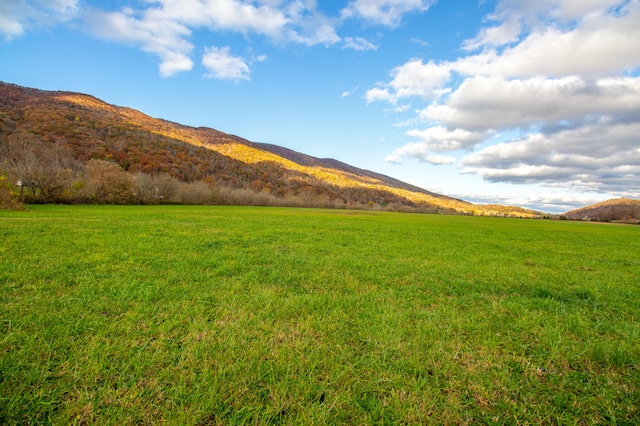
{"x": 8, "y": 197}
{"x": 107, "y": 183}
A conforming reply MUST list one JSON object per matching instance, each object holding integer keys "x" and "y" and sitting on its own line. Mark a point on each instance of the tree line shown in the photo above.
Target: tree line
{"x": 33, "y": 171}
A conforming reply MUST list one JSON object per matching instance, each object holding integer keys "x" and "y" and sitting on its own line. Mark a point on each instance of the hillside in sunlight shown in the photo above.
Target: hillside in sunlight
{"x": 38, "y": 127}
{"x": 618, "y": 209}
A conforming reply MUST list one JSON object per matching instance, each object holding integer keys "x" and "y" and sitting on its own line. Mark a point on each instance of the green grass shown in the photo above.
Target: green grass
{"x": 231, "y": 315}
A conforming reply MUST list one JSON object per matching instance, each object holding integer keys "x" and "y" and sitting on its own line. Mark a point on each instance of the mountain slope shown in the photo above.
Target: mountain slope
{"x": 619, "y": 209}
{"x": 330, "y": 163}
{"x": 89, "y": 128}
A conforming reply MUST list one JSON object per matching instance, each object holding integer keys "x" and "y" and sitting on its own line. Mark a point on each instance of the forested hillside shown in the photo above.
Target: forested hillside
{"x": 619, "y": 209}
{"x": 74, "y": 148}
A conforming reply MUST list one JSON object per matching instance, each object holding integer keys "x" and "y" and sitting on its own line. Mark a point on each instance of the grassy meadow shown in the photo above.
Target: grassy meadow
{"x": 235, "y": 315}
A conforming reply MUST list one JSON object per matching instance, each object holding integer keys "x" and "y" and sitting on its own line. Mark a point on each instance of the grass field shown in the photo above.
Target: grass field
{"x": 232, "y": 315}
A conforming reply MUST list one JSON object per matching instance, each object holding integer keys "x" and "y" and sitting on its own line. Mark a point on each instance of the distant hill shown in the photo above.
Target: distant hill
{"x": 87, "y": 128}
{"x": 619, "y": 209}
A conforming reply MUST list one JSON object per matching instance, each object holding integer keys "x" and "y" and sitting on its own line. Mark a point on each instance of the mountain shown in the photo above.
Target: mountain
{"x": 70, "y": 130}
{"x": 619, "y": 209}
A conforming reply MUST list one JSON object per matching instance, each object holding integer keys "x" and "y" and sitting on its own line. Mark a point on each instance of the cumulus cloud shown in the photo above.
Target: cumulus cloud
{"x": 220, "y": 14}
{"x": 598, "y": 45}
{"x": 603, "y": 156}
{"x": 514, "y": 17}
{"x": 222, "y": 65}
{"x": 384, "y": 12}
{"x": 434, "y": 140}
{"x": 536, "y": 13}
{"x": 414, "y": 78}
{"x": 164, "y": 27}
{"x": 564, "y": 73}
{"x": 18, "y": 16}
{"x": 165, "y": 38}
{"x": 498, "y": 103}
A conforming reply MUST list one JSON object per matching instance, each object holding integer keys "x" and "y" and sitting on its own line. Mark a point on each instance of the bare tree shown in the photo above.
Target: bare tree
{"x": 107, "y": 183}
{"x": 42, "y": 170}
{"x": 154, "y": 189}
{"x": 198, "y": 192}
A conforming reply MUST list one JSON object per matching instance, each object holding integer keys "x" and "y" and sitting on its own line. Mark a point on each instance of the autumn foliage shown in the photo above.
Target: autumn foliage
{"x": 619, "y": 209}
{"x": 69, "y": 147}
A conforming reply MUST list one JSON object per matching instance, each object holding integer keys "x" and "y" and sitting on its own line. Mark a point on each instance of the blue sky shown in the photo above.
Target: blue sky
{"x": 526, "y": 102}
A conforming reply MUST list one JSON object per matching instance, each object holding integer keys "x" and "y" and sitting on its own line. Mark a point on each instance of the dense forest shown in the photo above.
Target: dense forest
{"x": 619, "y": 209}
{"x": 61, "y": 147}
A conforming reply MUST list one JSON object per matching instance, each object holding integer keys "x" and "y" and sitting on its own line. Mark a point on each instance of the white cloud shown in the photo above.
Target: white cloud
{"x": 506, "y": 33}
{"x": 497, "y": 103}
{"x": 10, "y": 27}
{"x": 384, "y": 12}
{"x": 401, "y": 108}
{"x": 536, "y": 13}
{"x": 379, "y": 94}
{"x": 314, "y": 35}
{"x": 232, "y": 15}
{"x": 598, "y": 45}
{"x": 174, "y": 63}
{"x": 165, "y": 38}
{"x": 414, "y": 78}
{"x": 420, "y": 42}
{"x": 548, "y": 201}
{"x": 562, "y": 72}
{"x": 603, "y": 156}
{"x": 305, "y": 25}
{"x": 18, "y": 16}
{"x": 515, "y": 17}
{"x": 434, "y": 140}
{"x": 440, "y": 139}
{"x": 418, "y": 151}
{"x": 224, "y": 66}
{"x": 358, "y": 43}
{"x": 348, "y": 93}
{"x": 164, "y": 27}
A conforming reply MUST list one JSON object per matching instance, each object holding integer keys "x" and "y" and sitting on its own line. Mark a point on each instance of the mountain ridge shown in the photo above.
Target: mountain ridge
{"x": 616, "y": 209}
{"x": 91, "y": 129}
{"x": 307, "y": 160}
